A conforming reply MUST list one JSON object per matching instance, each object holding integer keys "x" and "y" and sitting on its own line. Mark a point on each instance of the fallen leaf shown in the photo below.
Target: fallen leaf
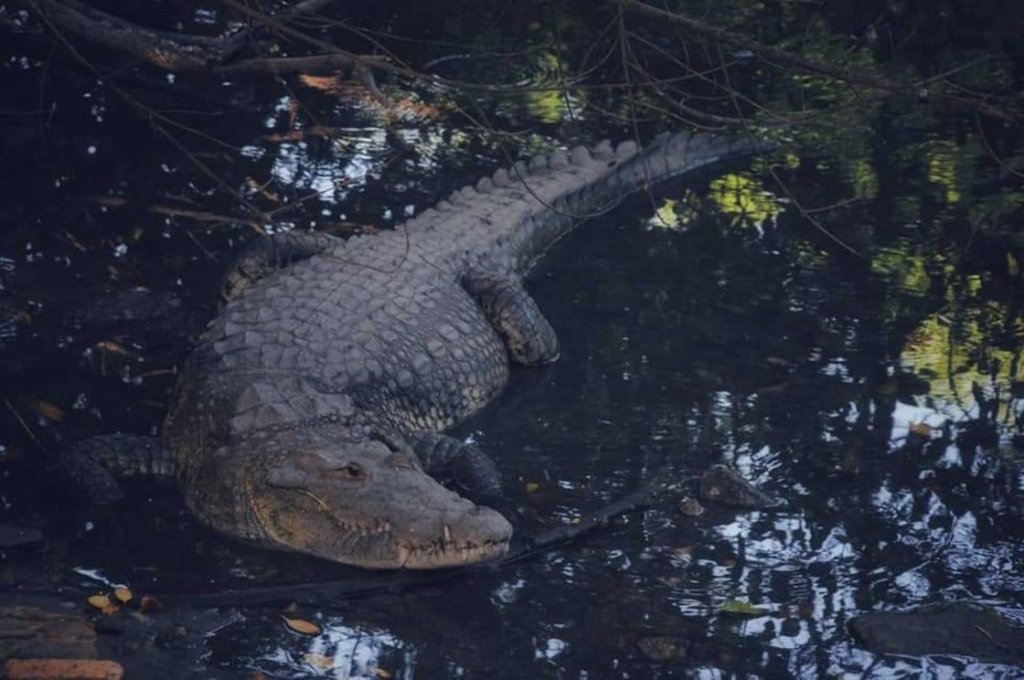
{"x": 100, "y": 601}
{"x": 301, "y": 626}
{"x": 148, "y": 603}
{"x": 921, "y": 429}
{"x": 322, "y": 83}
{"x": 318, "y": 661}
{"x": 123, "y": 595}
{"x": 532, "y": 486}
{"x": 740, "y": 608}
{"x": 381, "y": 673}
{"x": 111, "y": 346}
{"x": 48, "y": 411}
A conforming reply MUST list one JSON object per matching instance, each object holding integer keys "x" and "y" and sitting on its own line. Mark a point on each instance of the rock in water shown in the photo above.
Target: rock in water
{"x": 956, "y": 628}
{"x": 722, "y": 484}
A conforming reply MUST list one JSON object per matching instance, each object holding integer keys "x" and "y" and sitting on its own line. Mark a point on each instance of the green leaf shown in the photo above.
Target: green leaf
{"x": 739, "y": 608}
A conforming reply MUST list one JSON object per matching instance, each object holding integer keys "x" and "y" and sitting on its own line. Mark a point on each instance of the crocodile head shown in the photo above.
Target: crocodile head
{"x": 367, "y": 503}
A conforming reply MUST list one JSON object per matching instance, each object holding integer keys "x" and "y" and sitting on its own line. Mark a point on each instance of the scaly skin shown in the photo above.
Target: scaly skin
{"x": 335, "y": 363}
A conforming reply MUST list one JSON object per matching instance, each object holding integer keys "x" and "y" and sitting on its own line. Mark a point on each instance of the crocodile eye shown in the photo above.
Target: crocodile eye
{"x": 352, "y": 471}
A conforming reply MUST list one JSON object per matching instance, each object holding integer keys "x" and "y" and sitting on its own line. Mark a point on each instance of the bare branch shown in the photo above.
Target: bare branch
{"x": 169, "y": 51}
{"x": 783, "y": 57}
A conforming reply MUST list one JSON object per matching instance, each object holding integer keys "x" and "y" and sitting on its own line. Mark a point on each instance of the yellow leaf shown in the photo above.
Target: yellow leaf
{"x": 301, "y": 626}
{"x": 48, "y": 411}
{"x": 100, "y": 601}
{"x": 123, "y": 595}
{"x": 318, "y": 661}
{"x": 532, "y": 486}
{"x": 574, "y": 520}
{"x": 381, "y": 673}
{"x": 1012, "y": 266}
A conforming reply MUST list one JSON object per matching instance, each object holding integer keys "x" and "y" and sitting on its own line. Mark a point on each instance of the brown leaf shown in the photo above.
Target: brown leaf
{"x": 63, "y": 669}
{"x": 148, "y": 603}
{"x": 921, "y": 429}
{"x": 322, "y": 83}
{"x": 301, "y": 626}
{"x": 123, "y": 595}
{"x": 318, "y": 661}
{"x": 48, "y": 411}
{"x": 110, "y": 346}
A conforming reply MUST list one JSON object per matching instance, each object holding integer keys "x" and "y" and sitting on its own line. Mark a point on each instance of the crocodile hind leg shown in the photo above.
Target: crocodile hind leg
{"x": 528, "y": 336}
{"x": 270, "y": 253}
{"x": 94, "y": 465}
{"x": 464, "y": 465}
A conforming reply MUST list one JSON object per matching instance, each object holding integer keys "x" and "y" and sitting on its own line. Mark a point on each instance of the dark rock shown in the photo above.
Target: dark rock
{"x": 957, "y": 628}
{"x": 721, "y": 484}
{"x": 12, "y": 536}
{"x": 662, "y": 648}
{"x": 33, "y": 632}
{"x": 135, "y": 304}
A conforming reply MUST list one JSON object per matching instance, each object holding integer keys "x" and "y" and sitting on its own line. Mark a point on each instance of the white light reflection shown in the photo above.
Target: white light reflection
{"x": 343, "y": 652}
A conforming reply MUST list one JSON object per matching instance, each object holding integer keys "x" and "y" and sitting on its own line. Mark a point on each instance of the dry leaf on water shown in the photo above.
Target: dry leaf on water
{"x": 103, "y": 603}
{"x": 301, "y": 626}
{"x": 100, "y": 601}
{"x": 921, "y": 429}
{"x": 48, "y": 411}
{"x": 318, "y": 661}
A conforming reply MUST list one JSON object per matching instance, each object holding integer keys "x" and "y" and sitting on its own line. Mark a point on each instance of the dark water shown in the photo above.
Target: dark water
{"x": 878, "y": 393}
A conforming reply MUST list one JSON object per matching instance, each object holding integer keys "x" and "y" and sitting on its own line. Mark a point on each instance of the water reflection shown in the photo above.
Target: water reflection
{"x": 880, "y": 397}
{"x": 342, "y": 652}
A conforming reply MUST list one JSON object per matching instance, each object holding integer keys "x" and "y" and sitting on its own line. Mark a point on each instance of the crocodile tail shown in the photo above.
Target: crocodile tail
{"x": 607, "y": 175}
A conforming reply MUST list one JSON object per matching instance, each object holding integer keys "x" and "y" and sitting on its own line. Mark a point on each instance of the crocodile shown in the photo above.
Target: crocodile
{"x": 311, "y": 415}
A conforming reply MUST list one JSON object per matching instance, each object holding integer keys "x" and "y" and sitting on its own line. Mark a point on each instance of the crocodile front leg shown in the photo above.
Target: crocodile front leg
{"x": 463, "y": 464}
{"x": 93, "y": 465}
{"x": 528, "y": 336}
{"x": 270, "y": 253}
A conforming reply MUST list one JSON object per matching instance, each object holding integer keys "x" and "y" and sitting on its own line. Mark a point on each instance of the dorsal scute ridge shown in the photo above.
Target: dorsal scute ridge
{"x": 603, "y": 151}
{"x": 538, "y": 164}
{"x": 579, "y": 155}
{"x": 626, "y": 150}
